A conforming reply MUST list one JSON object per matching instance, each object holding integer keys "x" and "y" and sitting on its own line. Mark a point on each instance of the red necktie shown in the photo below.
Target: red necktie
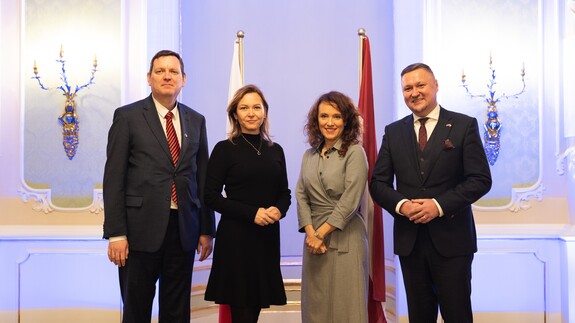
{"x": 174, "y": 147}
{"x": 422, "y": 134}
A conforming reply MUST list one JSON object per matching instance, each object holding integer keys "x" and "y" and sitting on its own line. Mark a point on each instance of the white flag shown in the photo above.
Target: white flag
{"x": 236, "y": 75}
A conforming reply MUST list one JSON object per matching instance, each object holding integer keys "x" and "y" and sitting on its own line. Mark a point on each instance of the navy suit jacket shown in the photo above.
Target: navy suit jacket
{"x": 139, "y": 173}
{"x": 458, "y": 175}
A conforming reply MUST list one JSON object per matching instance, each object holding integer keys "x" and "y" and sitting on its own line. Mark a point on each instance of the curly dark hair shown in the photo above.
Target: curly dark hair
{"x": 352, "y": 130}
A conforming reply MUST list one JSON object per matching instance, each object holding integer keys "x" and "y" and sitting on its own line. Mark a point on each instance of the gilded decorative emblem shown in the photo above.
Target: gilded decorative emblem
{"x": 492, "y": 126}
{"x": 69, "y": 119}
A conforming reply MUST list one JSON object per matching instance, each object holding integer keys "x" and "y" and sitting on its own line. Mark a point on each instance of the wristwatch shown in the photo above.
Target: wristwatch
{"x": 316, "y": 234}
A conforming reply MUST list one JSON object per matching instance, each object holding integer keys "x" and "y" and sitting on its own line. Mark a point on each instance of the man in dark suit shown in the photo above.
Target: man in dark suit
{"x": 153, "y": 194}
{"x": 439, "y": 171}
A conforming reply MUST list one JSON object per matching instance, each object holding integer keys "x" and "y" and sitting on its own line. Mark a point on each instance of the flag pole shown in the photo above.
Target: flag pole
{"x": 240, "y": 34}
{"x": 236, "y": 72}
{"x": 376, "y": 291}
{"x": 361, "y": 34}
{"x": 236, "y": 82}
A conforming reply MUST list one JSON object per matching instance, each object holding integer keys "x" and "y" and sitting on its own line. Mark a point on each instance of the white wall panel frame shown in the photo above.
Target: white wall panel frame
{"x": 133, "y": 86}
{"x": 521, "y": 195}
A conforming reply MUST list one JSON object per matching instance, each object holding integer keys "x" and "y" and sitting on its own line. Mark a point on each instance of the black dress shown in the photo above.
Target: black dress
{"x": 246, "y": 262}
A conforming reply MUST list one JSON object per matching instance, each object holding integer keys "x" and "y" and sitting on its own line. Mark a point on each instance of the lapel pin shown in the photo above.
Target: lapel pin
{"x": 448, "y": 125}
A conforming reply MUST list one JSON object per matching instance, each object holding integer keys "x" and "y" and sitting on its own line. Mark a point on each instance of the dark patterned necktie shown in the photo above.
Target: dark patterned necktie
{"x": 422, "y": 134}
{"x": 174, "y": 147}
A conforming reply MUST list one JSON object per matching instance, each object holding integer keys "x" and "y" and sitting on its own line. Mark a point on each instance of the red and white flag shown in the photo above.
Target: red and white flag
{"x": 376, "y": 295}
{"x": 236, "y": 82}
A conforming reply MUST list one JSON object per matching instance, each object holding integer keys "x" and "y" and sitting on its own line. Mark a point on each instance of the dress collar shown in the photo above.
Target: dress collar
{"x": 335, "y": 147}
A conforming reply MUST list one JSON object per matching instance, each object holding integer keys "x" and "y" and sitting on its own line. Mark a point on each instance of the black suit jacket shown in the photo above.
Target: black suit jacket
{"x": 139, "y": 173}
{"x": 458, "y": 175}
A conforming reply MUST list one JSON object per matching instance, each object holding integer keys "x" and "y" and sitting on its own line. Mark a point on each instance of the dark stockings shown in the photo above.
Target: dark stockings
{"x": 244, "y": 314}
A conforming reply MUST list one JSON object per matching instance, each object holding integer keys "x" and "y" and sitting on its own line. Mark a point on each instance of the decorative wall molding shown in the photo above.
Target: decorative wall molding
{"x": 538, "y": 247}
{"x": 566, "y": 160}
{"x": 522, "y": 198}
{"x": 521, "y": 172}
{"x": 39, "y": 270}
{"x": 511, "y": 274}
{"x": 528, "y": 258}
{"x": 76, "y": 180}
{"x": 40, "y": 197}
{"x": 98, "y": 202}
{"x": 43, "y": 233}
{"x": 42, "y": 201}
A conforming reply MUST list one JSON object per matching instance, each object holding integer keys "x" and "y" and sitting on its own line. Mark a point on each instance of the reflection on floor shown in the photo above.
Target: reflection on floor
{"x": 207, "y": 312}
{"x": 289, "y": 313}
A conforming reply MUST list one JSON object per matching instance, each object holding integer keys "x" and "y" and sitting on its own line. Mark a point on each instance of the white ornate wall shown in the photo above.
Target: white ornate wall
{"x": 525, "y": 224}
{"x": 524, "y": 270}
{"x": 53, "y": 263}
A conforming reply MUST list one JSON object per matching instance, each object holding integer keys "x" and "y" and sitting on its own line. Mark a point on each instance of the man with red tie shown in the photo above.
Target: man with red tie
{"x": 431, "y": 167}
{"x": 154, "y": 179}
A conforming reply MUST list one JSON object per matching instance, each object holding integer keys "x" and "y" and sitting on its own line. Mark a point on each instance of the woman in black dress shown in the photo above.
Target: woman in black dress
{"x": 251, "y": 170}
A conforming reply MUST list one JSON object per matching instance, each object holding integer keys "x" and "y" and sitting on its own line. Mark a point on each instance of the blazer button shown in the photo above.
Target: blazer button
{"x": 422, "y": 173}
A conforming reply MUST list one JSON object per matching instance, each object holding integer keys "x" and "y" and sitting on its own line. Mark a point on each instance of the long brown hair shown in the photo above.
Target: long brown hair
{"x": 236, "y": 130}
{"x": 352, "y": 130}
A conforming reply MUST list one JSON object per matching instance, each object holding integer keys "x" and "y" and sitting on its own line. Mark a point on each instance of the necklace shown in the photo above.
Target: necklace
{"x": 254, "y": 147}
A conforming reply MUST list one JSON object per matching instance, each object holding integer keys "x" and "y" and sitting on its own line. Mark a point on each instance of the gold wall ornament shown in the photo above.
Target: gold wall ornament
{"x": 69, "y": 119}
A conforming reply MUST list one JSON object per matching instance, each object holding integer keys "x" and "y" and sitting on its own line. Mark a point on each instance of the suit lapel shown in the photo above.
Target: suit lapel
{"x": 185, "y": 124}
{"x": 151, "y": 116}
{"x": 409, "y": 141}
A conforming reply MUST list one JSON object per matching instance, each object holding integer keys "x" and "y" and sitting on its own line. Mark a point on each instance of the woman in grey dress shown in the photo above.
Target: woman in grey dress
{"x": 332, "y": 181}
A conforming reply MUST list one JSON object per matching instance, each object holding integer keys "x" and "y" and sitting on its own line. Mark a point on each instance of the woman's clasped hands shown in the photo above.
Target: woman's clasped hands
{"x": 267, "y": 216}
{"x": 315, "y": 245}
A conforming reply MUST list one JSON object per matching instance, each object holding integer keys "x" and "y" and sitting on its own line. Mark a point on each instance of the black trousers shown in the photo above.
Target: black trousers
{"x": 432, "y": 280}
{"x": 172, "y": 267}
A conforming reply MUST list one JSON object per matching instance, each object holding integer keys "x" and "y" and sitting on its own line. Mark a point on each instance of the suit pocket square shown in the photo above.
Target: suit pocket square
{"x": 447, "y": 144}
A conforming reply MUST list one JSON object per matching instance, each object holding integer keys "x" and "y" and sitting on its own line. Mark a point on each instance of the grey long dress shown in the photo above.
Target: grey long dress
{"x": 334, "y": 284}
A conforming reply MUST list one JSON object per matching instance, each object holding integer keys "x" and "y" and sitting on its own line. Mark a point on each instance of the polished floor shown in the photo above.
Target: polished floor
{"x": 277, "y": 314}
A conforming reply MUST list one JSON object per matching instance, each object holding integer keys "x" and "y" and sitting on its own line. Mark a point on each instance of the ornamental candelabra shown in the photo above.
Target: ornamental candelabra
{"x": 69, "y": 119}
{"x": 492, "y": 126}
